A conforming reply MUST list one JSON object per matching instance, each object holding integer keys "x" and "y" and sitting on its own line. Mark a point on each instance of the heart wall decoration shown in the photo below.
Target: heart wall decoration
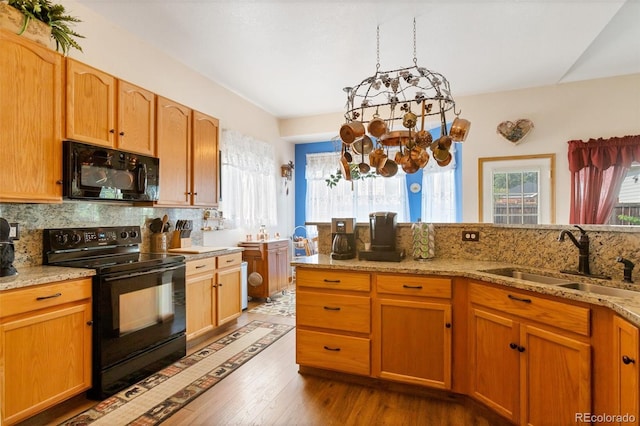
{"x": 515, "y": 132}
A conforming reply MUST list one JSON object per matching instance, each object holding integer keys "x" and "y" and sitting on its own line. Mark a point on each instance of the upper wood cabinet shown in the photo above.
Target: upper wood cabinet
{"x": 136, "y": 119}
{"x": 91, "y": 104}
{"x": 103, "y": 110}
{"x": 30, "y": 121}
{"x": 173, "y": 147}
{"x": 204, "y": 187}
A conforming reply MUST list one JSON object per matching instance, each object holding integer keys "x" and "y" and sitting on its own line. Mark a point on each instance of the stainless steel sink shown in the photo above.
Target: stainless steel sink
{"x": 527, "y": 276}
{"x": 599, "y": 289}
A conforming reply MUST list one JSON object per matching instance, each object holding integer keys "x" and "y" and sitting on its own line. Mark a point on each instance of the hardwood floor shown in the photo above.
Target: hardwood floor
{"x": 269, "y": 390}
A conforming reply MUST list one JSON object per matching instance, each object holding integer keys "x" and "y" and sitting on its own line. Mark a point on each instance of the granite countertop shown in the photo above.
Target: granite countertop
{"x": 44, "y": 274}
{"x": 627, "y": 307}
{"x": 35, "y": 275}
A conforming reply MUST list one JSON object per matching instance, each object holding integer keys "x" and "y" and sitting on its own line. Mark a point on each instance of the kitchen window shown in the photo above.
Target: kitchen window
{"x": 248, "y": 180}
{"x": 517, "y": 190}
{"x": 351, "y": 198}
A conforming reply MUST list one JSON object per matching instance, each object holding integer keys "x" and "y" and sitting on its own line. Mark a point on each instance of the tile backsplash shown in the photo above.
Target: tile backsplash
{"x": 33, "y": 218}
{"x": 534, "y": 246}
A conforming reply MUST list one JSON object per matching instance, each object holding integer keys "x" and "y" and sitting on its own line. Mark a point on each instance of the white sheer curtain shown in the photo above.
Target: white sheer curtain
{"x": 347, "y": 200}
{"x": 439, "y": 191}
{"x": 248, "y": 180}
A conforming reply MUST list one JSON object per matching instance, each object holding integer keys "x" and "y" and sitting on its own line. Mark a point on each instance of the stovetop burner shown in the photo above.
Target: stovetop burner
{"x": 105, "y": 249}
{"x": 120, "y": 263}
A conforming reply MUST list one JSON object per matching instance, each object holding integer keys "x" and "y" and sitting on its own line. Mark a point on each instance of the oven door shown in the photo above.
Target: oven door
{"x": 137, "y": 311}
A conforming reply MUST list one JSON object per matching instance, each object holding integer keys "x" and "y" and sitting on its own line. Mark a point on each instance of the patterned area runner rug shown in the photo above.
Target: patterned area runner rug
{"x": 159, "y": 396}
{"x": 283, "y": 305}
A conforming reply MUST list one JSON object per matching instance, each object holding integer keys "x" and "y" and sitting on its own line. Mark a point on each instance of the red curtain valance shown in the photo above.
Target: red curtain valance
{"x": 603, "y": 153}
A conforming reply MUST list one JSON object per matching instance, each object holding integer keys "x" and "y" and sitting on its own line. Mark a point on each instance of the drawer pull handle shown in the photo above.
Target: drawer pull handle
{"x": 417, "y": 287}
{"x": 200, "y": 266}
{"x": 628, "y": 360}
{"x": 49, "y": 297}
{"x": 512, "y": 297}
{"x": 331, "y": 308}
{"x": 332, "y": 349}
{"x": 331, "y": 281}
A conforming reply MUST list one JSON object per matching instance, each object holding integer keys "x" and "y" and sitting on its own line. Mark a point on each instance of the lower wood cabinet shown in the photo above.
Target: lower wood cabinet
{"x": 270, "y": 259}
{"x": 333, "y": 315}
{"x": 626, "y": 373}
{"x": 523, "y": 364}
{"x": 528, "y": 357}
{"x": 45, "y": 347}
{"x": 213, "y": 293}
{"x": 412, "y": 329}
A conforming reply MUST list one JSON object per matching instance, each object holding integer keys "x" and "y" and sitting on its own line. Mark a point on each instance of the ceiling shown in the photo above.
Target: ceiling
{"x": 292, "y": 58}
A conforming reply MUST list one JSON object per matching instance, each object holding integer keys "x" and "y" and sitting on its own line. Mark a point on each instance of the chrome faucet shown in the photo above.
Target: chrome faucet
{"x": 583, "y": 248}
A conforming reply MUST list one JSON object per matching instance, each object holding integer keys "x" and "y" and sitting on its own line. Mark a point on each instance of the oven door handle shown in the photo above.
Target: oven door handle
{"x": 137, "y": 274}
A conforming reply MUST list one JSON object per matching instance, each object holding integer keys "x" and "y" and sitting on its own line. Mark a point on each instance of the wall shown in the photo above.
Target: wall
{"x": 588, "y": 109}
{"x": 123, "y": 55}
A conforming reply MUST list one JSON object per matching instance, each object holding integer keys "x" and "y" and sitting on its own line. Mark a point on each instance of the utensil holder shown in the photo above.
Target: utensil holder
{"x": 160, "y": 242}
{"x": 179, "y": 242}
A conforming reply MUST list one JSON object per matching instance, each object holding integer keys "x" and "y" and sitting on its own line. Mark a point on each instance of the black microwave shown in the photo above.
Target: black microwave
{"x": 98, "y": 173}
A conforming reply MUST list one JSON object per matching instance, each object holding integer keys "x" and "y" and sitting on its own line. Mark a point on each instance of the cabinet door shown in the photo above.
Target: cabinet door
{"x": 494, "y": 363}
{"x": 201, "y": 304}
{"x": 30, "y": 121}
{"x": 173, "y": 123}
{"x": 555, "y": 377}
{"x": 414, "y": 342}
{"x": 229, "y": 294}
{"x": 136, "y": 119}
{"x": 54, "y": 341}
{"x": 625, "y": 370}
{"x": 205, "y": 160}
{"x": 91, "y": 104}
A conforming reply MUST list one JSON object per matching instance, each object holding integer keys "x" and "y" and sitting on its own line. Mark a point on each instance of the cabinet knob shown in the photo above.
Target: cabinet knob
{"x": 121, "y": 133}
{"x": 520, "y": 348}
{"x": 89, "y": 323}
{"x": 513, "y": 346}
{"x": 628, "y": 360}
{"x": 448, "y": 325}
{"x": 59, "y": 182}
{"x": 112, "y": 131}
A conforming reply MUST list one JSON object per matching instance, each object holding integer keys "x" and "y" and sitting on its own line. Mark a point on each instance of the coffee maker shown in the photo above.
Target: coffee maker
{"x": 382, "y": 229}
{"x": 343, "y": 241}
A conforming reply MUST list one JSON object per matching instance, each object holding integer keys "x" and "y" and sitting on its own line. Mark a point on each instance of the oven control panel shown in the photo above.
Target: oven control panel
{"x": 86, "y": 238}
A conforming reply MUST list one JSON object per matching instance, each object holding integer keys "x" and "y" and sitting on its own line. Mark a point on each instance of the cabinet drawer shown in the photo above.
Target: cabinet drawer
{"x": 28, "y": 299}
{"x": 200, "y": 265}
{"x": 412, "y": 285}
{"x": 333, "y": 352}
{"x": 557, "y": 314}
{"x": 337, "y": 312}
{"x": 228, "y": 260}
{"x": 337, "y": 280}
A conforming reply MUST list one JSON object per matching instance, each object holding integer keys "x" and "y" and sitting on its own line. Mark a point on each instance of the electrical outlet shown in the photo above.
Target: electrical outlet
{"x": 14, "y": 231}
{"x": 470, "y": 236}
